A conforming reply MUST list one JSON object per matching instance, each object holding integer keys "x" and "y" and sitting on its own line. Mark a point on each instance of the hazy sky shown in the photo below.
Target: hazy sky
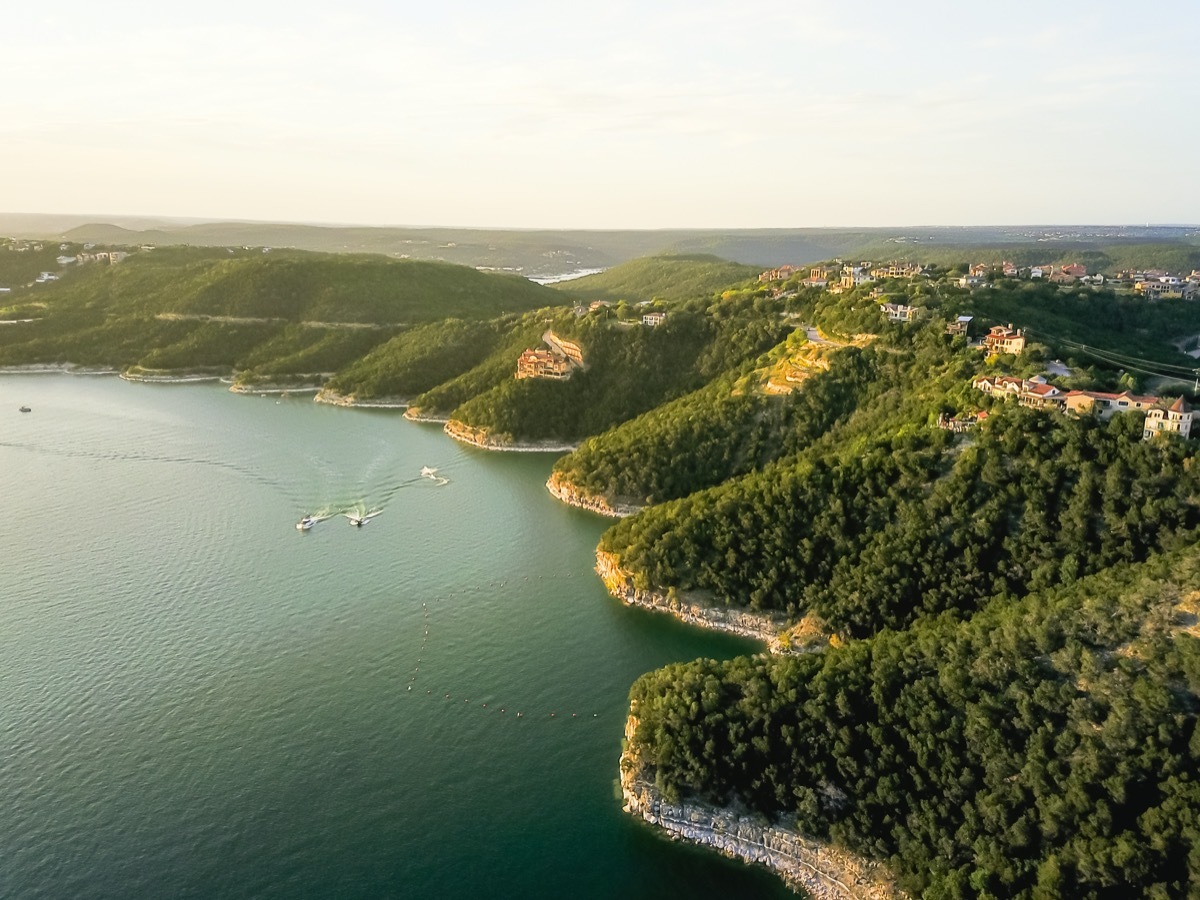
{"x": 752, "y": 113}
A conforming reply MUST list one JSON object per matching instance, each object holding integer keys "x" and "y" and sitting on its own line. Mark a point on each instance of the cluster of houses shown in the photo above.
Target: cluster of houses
{"x": 650, "y": 320}
{"x": 1162, "y": 414}
{"x": 107, "y": 257}
{"x": 1159, "y": 284}
{"x": 1151, "y": 283}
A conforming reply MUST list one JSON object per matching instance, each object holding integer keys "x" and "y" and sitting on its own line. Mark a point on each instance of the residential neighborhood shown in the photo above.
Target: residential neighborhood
{"x": 1163, "y": 415}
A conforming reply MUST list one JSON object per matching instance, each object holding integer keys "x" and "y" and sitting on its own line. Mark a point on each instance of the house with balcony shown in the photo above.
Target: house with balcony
{"x": 1001, "y": 339}
{"x": 1173, "y": 419}
{"x": 543, "y": 364}
{"x": 899, "y": 312}
{"x": 959, "y": 326}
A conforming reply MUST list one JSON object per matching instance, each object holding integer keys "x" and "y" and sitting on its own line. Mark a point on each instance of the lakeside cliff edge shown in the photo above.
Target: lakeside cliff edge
{"x": 757, "y": 626}
{"x": 563, "y": 490}
{"x": 486, "y": 440}
{"x": 820, "y": 870}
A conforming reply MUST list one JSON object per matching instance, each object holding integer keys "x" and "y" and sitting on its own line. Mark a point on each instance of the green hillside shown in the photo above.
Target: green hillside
{"x": 176, "y": 308}
{"x": 661, "y": 277}
{"x": 1044, "y": 748}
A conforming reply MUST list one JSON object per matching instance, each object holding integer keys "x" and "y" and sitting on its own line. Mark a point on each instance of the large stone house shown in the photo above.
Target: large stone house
{"x": 1001, "y": 339}
{"x": 543, "y": 364}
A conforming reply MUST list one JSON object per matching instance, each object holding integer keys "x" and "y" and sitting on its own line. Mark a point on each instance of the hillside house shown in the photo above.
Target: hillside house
{"x": 899, "y": 312}
{"x": 1035, "y": 392}
{"x": 999, "y": 385}
{"x": 1001, "y": 339}
{"x": 654, "y": 319}
{"x": 896, "y": 270}
{"x": 960, "y": 325}
{"x": 1009, "y": 270}
{"x": 543, "y": 364}
{"x": 853, "y": 276}
{"x": 969, "y": 281}
{"x": 1173, "y": 419}
{"x": 783, "y": 273}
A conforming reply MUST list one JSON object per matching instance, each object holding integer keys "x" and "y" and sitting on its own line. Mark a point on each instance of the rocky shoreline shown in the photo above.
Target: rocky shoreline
{"x": 332, "y": 397}
{"x": 414, "y": 414}
{"x": 57, "y": 369}
{"x": 563, "y": 490}
{"x": 821, "y": 871}
{"x": 485, "y": 440}
{"x": 757, "y": 626}
{"x": 149, "y": 377}
{"x": 268, "y": 387}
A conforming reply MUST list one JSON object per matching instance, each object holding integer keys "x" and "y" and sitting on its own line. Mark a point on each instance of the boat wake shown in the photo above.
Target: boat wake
{"x": 432, "y": 474}
{"x": 359, "y": 517}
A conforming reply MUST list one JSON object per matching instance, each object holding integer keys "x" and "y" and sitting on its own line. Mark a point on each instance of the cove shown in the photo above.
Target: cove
{"x": 201, "y": 701}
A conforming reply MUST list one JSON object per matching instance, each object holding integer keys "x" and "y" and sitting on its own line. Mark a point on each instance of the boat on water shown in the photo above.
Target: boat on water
{"x": 358, "y": 520}
{"x": 428, "y": 472}
{"x": 26, "y": 409}
{"x": 306, "y": 523}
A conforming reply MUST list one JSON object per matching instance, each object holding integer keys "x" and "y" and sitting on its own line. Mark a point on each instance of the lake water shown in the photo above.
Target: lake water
{"x": 198, "y": 700}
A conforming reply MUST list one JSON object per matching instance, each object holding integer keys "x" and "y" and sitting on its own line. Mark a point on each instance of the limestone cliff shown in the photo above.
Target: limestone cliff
{"x": 569, "y": 494}
{"x": 758, "y": 626}
{"x": 822, "y": 871}
{"x": 481, "y": 437}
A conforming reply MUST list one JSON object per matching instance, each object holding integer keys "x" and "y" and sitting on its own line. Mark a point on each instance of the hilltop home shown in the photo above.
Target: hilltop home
{"x": 852, "y": 276}
{"x": 1004, "y": 340}
{"x": 543, "y": 364}
{"x": 654, "y": 319}
{"x": 898, "y": 312}
{"x": 959, "y": 325}
{"x": 1163, "y": 287}
{"x": 1034, "y": 392}
{"x": 896, "y": 270}
{"x": 1174, "y": 419}
{"x": 783, "y": 273}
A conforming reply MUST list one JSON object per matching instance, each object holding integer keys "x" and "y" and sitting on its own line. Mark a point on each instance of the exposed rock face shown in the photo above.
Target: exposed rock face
{"x": 822, "y": 871}
{"x": 758, "y": 626}
{"x": 573, "y": 496}
{"x": 414, "y": 414}
{"x": 481, "y": 437}
{"x": 332, "y": 397}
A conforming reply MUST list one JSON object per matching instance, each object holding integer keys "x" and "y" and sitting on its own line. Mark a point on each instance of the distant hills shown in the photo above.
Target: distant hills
{"x": 549, "y": 253}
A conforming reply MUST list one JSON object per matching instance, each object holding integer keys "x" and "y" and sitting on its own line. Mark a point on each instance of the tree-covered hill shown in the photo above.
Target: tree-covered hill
{"x": 669, "y": 277}
{"x": 1044, "y": 748}
{"x": 180, "y": 308}
{"x": 629, "y": 370}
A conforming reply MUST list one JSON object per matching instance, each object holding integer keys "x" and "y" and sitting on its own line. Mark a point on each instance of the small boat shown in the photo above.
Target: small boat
{"x": 306, "y": 523}
{"x": 26, "y": 409}
{"x": 358, "y": 520}
{"x": 428, "y": 472}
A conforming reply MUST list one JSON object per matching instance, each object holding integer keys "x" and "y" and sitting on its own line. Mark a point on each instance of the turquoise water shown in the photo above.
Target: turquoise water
{"x": 198, "y": 700}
